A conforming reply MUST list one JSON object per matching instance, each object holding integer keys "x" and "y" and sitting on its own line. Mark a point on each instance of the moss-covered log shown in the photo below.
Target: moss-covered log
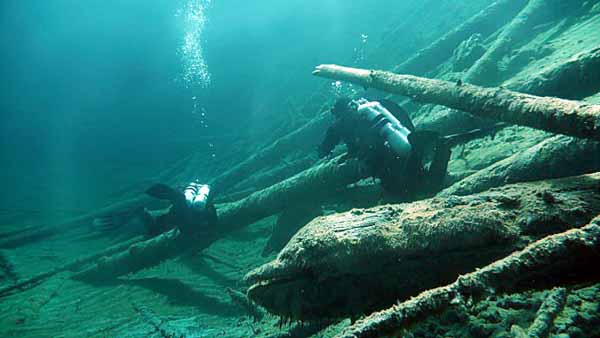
{"x": 558, "y": 156}
{"x": 575, "y": 252}
{"x": 484, "y": 71}
{"x": 318, "y": 183}
{"x": 136, "y": 257}
{"x": 572, "y": 118}
{"x": 544, "y": 318}
{"x": 364, "y": 260}
{"x": 576, "y": 78}
{"x": 485, "y": 23}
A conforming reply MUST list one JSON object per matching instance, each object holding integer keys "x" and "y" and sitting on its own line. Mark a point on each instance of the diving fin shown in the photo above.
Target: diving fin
{"x": 164, "y": 192}
{"x": 398, "y": 113}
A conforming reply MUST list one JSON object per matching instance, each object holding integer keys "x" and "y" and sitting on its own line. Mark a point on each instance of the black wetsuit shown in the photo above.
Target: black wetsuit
{"x": 190, "y": 222}
{"x": 405, "y": 178}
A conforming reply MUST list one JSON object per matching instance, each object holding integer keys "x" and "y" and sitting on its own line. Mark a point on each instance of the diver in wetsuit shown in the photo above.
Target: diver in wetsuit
{"x": 409, "y": 163}
{"x": 192, "y": 210}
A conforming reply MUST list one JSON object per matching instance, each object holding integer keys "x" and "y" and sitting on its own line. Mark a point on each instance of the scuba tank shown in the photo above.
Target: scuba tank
{"x": 197, "y": 196}
{"x": 392, "y": 131}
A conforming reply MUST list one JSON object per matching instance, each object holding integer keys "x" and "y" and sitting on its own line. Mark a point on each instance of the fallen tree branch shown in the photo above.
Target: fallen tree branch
{"x": 572, "y": 118}
{"x": 575, "y": 251}
{"x": 544, "y": 319}
{"x": 558, "y": 156}
{"x": 575, "y": 78}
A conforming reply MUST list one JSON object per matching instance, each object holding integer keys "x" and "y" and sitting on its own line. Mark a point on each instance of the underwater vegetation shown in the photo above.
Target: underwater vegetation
{"x": 465, "y": 202}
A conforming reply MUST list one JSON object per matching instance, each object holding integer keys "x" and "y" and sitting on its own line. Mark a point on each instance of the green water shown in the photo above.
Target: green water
{"x": 102, "y": 99}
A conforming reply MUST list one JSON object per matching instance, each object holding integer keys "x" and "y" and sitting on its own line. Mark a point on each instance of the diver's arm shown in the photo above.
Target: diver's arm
{"x": 332, "y": 138}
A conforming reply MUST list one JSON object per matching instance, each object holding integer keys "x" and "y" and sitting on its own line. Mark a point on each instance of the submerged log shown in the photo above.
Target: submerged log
{"x": 314, "y": 185}
{"x": 558, "y": 156}
{"x": 485, "y": 69}
{"x": 356, "y": 262}
{"x": 546, "y": 262}
{"x": 136, "y": 257}
{"x": 544, "y": 318}
{"x": 555, "y": 115}
{"x": 485, "y": 23}
{"x": 311, "y": 186}
{"x": 576, "y": 78}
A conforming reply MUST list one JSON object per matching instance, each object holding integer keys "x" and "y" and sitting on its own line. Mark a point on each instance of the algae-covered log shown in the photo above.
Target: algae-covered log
{"x": 558, "y": 156}
{"x": 485, "y": 22}
{"x": 136, "y": 257}
{"x": 366, "y": 259}
{"x": 544, "y": 318}
{"x": 486, "y": 68}
{"x": 576, "y": 78}
{"x": 572, "y": 118}
{"x": 546, "y": 261}
{"x": 310, "y": 186}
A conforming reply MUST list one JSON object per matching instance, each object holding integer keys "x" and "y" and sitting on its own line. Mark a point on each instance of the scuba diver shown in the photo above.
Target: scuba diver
{"x": 408, "y": 162}
{"x": 192, "y": 210}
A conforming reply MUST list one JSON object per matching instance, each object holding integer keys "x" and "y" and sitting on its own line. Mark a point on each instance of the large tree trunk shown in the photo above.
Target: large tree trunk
{"x": 486, "y": 22}
{"x": 558, "y": 156}
{"x": 572, "y": 118}
{"x": 364, "y": 260}
{"x": 485, "y": 70}
{"x": 576, "y": 78}
{"x": 574, "y": 252}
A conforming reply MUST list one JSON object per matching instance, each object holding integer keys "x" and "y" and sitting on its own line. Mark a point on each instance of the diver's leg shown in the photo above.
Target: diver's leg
{"x": 156, "y": 222}
{"x": 439, "y": 166}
